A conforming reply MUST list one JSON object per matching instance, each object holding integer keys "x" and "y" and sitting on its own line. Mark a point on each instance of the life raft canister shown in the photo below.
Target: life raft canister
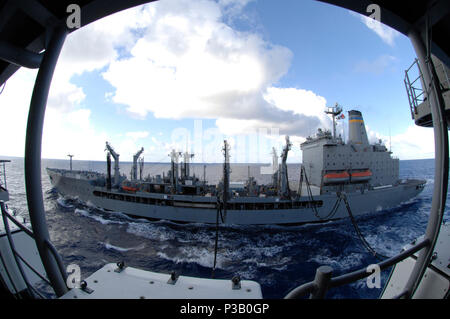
{"x": 336, "y": 178}
{"x": 129, "y": 188}
{"x": 361, "y": 176}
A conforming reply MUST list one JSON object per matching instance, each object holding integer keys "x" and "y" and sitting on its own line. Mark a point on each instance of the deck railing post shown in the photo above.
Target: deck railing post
{"x": 322, "y": 282}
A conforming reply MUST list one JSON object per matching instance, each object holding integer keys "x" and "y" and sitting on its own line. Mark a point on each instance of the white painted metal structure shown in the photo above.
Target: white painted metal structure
{"x": 435, "y": 283}
{"x": 133, "y": 283}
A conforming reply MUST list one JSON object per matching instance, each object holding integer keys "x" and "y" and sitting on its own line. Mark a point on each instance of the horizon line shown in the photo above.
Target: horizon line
{"x": 84, "y": 160}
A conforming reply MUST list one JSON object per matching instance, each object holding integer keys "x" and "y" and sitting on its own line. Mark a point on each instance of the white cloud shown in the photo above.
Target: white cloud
{"x": 71, "y": 133}
{"x": 137, "y": 135}
{"x": 68, "y": 127}
{"x": 301, "y": 102}
{"x": 66, "y": 130}
{"x": 65, "y": 96}
{"x": 179, "y": 59}
{"x": 378, "y": 66}
{"x": 14, "y": 104}
{"x": 387, "y": 34}
{"x": 190, "y": 64}
{"x": 96, "y": 45}
{"x": 375, "y": 137}
{"x": 414, "y": 143}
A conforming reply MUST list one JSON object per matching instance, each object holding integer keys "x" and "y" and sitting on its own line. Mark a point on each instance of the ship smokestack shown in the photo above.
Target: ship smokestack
{"x": 357, "y": 129}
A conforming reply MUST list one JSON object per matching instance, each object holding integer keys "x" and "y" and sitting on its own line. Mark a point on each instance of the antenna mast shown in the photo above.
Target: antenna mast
{"x": 226, "y": 176}
{"x": 390, "y": 140}
{"x": 70, "y": 155}
{"x": 334, "y": 111}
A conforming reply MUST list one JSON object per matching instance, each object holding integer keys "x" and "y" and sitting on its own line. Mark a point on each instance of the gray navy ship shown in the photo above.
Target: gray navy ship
{"x": 337, "y": 180}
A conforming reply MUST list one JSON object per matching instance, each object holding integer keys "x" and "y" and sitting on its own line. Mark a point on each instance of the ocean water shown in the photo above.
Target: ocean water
{"x": 278, "y": 257}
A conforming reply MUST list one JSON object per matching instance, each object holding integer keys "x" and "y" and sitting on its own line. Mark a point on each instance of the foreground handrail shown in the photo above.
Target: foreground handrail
{"x": 320, "y": 285}
{"x": 437, "y": 107}
{"x": 6, "y": 215}
{"x": 33, "y": 143}
{"x": 14, "y": 253}
{"x": 21, "y": 226}
{"x": 57, "y": 257}
{"x": 362, "y": 273}
{"x": 302, "y": 290}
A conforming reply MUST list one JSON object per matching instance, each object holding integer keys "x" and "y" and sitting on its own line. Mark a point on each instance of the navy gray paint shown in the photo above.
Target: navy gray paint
{"x": 322, "y": 154}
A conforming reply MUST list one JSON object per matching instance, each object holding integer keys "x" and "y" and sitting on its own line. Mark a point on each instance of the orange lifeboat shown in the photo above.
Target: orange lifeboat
{"x": 361, "y": 176}
{"x": 129, "y": 189}
{"x": 336, "y": 178}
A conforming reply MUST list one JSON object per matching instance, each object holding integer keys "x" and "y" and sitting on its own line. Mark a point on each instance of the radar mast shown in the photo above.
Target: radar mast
{"x": 334, "y": 111}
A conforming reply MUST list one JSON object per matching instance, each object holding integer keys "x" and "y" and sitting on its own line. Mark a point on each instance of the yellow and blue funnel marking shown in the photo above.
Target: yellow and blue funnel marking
{"x": 355, "y": 118}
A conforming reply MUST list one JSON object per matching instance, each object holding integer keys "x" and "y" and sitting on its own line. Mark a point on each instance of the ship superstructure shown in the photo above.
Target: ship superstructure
{"x": 357, "y": 165}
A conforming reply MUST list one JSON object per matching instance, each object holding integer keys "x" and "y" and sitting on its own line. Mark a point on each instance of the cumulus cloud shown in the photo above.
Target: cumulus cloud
{"x": 414, "y": 143}
{"x": 190, "y": 64}
{"x": 176, "y": 60}
{"x": 93, "y": 48}
{"x": 14, "y": 102}
{"x": 65, "y": 130}
{"x": 137, "y": 135}
{"x": 96, "y": 45}
{"x": 72, "y": 133}
{"x": 68, "y": 125}
{"x": 387, "y": 34}
{"x": 377, "y": 66}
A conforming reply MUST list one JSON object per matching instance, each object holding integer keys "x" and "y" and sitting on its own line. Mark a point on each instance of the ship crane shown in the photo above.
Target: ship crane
{"x": 174, "y": 157}
{"x": 187, "y": 158}
{"x": 135, "y": 160}
{"x": 141, "y": 168}
{"x": 116, "y": 163}
{"x": 274, "y": 168}
{"x": 283, "y": 174}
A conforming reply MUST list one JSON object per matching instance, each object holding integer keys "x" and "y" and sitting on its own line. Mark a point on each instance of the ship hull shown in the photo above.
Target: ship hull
{"x": 240, "y": 211}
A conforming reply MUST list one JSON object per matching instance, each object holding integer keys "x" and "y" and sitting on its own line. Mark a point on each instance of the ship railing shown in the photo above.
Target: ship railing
{"x": 324, "y": 281}
{"x": 414, "y": 90}
{"x": 19, "y": 259}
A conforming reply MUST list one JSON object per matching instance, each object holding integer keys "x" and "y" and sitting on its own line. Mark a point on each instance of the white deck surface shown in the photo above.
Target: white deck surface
{"x": 134, "y": 283}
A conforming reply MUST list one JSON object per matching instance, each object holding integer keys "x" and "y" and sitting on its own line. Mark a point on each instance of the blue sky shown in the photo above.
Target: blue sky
{"x": 336, "y": 56}
{"x": 177, "y": 74}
